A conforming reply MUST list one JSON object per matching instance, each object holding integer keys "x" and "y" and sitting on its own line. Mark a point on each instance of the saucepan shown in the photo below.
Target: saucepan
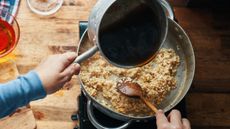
{"x": 176, "y": 39}
{"x": 107, "y": 14}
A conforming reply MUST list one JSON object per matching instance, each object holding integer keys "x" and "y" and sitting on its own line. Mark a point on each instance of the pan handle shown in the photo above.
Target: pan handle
{"x": 168, "y": 8}
{"x": 95, "y": 122}
{"x": 86, "y": 54}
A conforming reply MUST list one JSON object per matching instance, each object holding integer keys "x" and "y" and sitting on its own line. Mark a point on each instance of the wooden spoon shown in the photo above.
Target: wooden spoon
{"x": 133, "y": 89}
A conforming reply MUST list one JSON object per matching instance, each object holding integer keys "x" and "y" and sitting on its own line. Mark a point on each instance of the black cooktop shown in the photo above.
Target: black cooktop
{"x": 84, "y": 122}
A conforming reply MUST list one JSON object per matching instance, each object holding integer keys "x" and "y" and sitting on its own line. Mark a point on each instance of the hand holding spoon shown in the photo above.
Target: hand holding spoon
{"x": 133, "y": 89}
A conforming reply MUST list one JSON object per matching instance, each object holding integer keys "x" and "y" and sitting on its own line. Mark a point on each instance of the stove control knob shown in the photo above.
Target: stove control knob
{"x": 76, "y": 127}
{"x": 74, "y": 117}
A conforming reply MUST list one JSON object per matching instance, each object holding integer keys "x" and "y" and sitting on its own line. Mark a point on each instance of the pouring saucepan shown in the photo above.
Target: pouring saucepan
{"x": 126, "y": 51}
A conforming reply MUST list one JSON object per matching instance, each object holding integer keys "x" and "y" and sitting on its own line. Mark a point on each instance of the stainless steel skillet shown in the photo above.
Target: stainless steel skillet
{"x": 176, "y": 39}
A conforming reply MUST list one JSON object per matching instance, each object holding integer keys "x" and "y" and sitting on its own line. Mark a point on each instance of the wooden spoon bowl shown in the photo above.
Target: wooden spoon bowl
{"x": 133, "y": 89}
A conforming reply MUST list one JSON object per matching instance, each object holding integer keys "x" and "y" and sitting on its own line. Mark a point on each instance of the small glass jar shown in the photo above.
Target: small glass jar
{"x": 44, "y": 7}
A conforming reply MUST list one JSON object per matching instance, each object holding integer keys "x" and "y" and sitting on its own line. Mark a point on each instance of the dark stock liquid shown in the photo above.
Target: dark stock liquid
{"x": 133, "y": 40}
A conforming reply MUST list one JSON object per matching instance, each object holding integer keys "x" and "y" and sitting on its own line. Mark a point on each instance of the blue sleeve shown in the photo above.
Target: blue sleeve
{"x": 20, "y": 92}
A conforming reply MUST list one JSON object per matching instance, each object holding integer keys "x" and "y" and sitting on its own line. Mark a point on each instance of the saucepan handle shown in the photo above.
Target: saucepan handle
{"x": 95, "y": 122}
{"x": 168, "y": 8}
{"x": 86, "y": 54}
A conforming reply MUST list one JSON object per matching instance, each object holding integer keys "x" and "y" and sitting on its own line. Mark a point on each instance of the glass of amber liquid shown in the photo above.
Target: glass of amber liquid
{"x": 9, "y": 33}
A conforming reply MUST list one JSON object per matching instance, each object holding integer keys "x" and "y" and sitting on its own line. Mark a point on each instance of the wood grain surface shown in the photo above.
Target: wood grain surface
{"x": 208, "y": 29}
{"x": 43, "y": 36}
{"x": 208, "y": 100}
{"x": 209, "y": 109}
{"x": 23, "y": 118}
{"x": 39, "y": 35}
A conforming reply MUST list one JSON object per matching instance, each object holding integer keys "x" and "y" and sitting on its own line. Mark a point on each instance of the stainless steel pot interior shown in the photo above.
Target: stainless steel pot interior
{"x": 176, "y": 39}
{"x": 106, "y": 14}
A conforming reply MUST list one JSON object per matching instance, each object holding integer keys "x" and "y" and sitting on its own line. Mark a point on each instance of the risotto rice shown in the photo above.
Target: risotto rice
{"x": 156, "y": 78}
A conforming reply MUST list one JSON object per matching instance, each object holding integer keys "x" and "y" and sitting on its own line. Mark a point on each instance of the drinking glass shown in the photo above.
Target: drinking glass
{"x": 9, "y": 33}
{"x": 44, "y": 7}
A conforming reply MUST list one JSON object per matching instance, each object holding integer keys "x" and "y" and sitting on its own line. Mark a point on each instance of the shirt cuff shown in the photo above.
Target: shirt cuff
{"x": 37, "y": 89}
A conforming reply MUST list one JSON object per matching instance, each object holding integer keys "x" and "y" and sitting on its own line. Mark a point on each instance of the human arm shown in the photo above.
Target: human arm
{"x": 20, "y": 92}
{"x": 48, "y": 77}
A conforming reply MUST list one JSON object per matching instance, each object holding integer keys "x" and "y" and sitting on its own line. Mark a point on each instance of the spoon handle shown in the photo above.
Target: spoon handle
{"x": 149, "y": 104}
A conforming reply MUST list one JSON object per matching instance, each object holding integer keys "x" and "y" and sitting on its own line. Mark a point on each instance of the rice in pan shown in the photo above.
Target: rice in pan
{"x": 156, "y": 78}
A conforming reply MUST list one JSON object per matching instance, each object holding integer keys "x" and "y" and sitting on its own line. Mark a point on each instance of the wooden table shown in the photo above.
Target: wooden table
{"x": 208, "y": 102}
{"x": 43, "y": 36}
